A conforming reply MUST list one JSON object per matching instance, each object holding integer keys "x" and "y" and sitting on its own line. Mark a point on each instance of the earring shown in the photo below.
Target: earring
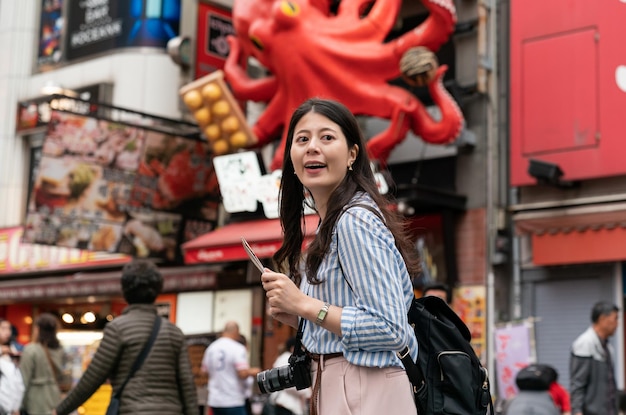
{"x": 350, "y": 167}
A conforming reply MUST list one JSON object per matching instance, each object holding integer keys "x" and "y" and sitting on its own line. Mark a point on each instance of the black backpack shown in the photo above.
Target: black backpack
{"x": 448, "y": 378}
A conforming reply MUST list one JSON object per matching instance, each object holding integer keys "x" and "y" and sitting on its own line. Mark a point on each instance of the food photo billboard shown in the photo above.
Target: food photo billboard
{"x": 108, "y": 186}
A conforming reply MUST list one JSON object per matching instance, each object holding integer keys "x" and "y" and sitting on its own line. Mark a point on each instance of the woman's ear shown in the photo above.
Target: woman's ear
{"x": 354, "y": 152}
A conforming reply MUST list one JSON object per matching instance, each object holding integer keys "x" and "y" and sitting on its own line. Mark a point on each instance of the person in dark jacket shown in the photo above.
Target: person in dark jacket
{"x": 164, "y": 383}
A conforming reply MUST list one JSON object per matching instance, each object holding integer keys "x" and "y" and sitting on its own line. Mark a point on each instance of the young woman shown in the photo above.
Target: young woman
{"x": 353, "y": 285}
{"x": 42, "y": 392}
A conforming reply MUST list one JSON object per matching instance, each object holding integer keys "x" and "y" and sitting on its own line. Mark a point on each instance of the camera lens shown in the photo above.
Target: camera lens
{"x": 276, "y": 379}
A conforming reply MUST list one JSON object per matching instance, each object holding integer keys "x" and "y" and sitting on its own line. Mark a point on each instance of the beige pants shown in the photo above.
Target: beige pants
{"x": 347, "y": 389}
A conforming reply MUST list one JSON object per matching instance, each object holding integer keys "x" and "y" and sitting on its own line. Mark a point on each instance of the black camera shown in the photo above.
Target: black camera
{"x": 297, "y": 373}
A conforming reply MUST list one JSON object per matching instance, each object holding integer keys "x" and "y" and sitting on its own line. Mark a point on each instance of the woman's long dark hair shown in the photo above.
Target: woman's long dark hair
{"x": 48, "y": 324}
{"x": 360, "y": 179}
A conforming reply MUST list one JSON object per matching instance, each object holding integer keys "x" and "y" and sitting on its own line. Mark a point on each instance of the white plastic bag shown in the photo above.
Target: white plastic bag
{"x": 11, "y": 386}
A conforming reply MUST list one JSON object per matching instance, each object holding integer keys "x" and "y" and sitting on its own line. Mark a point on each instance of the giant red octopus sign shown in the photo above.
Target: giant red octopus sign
{"x": 311, "y": 51}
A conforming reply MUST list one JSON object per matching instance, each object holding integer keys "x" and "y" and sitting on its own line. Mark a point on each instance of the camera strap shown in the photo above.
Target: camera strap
{"x": 298, "y": 345}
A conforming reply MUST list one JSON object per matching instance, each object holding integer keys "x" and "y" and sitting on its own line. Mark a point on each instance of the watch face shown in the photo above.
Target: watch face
{"x": 322, "y": 314}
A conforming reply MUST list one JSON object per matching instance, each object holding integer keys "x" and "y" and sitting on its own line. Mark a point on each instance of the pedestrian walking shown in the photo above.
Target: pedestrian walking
{"x": 226, "y": 363}
{"x": 164, "y": 383}
{"x": 41, "y": 363}
{"x": 593, "y": 389}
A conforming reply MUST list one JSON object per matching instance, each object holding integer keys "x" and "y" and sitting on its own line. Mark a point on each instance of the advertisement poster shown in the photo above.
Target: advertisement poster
{"x": 469, "y": 303}
{"x": 513, "y": 352}
{"x": 214, "y": 26}
{"x": 431, "y": 247}
{"x": 107, "y": 186}
{"x": 95, "y": 26}
{"x": 50, "y": 30}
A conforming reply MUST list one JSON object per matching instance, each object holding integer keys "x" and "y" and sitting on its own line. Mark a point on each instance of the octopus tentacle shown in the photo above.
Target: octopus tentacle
{"x": 448, "y": 128}
{"x": 374, "y": 26}
{"x": 433, "y": 33}
{"x": 269, "y": 124}
{"x": 380, "y": 146}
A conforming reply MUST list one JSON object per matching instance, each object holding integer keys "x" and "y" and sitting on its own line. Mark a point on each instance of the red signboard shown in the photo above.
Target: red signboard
{"x": 214, "y": 25}
{"x": 17, "y": 257}
{"x": 568, "y": 82}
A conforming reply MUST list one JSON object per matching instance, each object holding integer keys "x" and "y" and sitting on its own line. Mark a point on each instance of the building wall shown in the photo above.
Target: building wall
{"x": 17, "y": 39}
{"x": 143, "y": 79}
{"x": 471, "y": 247}
{"x": 567, "y": 77}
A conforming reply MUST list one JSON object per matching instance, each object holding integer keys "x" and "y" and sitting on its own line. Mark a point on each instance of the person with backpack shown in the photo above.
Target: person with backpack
{"x": 352, "y": 286}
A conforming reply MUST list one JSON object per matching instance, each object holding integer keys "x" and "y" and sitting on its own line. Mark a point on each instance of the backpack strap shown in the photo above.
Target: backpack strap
{"x": 414, "y": 371}
{"x": 345, "y": 209}
{"x": 416, "y": 377}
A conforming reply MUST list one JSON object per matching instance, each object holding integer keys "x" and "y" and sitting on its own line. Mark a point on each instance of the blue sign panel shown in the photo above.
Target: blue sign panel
{"x": 95, "y": 26}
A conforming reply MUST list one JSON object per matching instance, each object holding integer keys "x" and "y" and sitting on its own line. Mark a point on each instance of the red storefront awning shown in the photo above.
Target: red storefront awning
{"x": 224, "y": 244}
{"x": 576, "y": 235}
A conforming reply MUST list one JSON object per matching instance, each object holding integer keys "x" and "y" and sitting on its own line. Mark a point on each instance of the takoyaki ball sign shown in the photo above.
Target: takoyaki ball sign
{"x": 107, "y": 186}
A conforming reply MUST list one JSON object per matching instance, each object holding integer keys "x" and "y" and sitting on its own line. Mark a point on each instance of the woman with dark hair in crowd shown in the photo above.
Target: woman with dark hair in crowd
{"x": 41, "y": 360}
{"x": 8, "y": 339}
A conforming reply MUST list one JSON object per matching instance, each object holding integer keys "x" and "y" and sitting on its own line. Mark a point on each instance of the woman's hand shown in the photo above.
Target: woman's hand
{"x": 287, "y": 303}
{"x": 284, "y": 297}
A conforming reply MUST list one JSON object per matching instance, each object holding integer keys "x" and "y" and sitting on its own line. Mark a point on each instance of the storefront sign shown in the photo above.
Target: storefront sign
{"x": 224, "y": 244}
{"x": 512, "y": 354}
{"x": 469, "y": 303}
{"x": 95, "y": 26}
{"x": 243, "y": 187}
{"x": 84, "y": 284}
{"x": 35, "y": 113}
{"x": 108, "y": 186}
{"x": 231, "y": 253}
{"x": 214, "y": 25}
{"x": 17, "y": 257}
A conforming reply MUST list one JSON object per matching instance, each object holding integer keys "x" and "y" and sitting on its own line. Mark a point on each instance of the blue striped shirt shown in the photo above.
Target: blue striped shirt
{"x": 374, "y": 290}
